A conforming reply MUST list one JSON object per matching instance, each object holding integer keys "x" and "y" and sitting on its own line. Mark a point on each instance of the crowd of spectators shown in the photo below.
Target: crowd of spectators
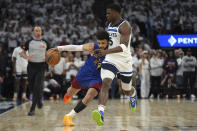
{"x": 75, "y": 22}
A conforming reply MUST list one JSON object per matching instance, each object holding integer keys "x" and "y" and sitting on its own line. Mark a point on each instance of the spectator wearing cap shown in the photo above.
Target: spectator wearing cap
{"x": 189, "y": 64}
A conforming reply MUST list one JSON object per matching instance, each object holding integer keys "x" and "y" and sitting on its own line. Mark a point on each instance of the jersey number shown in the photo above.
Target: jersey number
{"x": 110, "y": 41}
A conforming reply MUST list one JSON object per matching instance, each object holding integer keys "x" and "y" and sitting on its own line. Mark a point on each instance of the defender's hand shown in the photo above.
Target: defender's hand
{"x": 100, "y": 52}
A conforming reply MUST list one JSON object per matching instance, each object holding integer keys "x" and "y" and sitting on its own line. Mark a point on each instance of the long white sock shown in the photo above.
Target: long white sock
{"x": 101, "y": 108}
{"x": 71, "y": 113}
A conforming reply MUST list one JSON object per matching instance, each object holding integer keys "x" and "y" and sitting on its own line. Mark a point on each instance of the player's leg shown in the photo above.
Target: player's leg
{"x": 74, "y": 89}
{"x": 16, "y": 84}
{"x": 17, "y": 81}
{"x": 24, "y": 85}
{"x": 31, "y": 80}
{"x": 128, "y": 89}
{"x": 92, "y": 92}
{"x": 108, "y": 73}
{"x": 70, "y": 93}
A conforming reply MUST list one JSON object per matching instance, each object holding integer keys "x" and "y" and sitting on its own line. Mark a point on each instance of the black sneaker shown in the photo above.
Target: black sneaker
{"x": 39, "y": 105}
{"x": 31, "y": 113}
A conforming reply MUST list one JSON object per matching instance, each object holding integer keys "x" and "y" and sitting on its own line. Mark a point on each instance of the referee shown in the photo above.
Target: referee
{"x": 36, "y": 66}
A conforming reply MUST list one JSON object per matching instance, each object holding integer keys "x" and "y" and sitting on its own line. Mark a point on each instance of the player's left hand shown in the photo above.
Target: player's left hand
{"x": 100, "y": 52}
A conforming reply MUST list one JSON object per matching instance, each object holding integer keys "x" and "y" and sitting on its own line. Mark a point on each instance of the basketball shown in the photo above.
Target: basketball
{"x": 52, "y": 57}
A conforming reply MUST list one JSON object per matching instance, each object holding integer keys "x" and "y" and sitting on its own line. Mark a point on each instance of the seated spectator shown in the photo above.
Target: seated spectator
{"x": 168, "y": 85}
{"x": 51, "y": 88}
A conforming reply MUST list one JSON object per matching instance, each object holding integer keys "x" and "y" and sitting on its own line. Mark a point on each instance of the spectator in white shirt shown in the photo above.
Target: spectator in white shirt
{"x": 59, "y": 72}
{"x": 189, "y": 64}
{"x": 51, "y": 88}
{"x": 156, "y": 71}
{"x": 19, "y": 71}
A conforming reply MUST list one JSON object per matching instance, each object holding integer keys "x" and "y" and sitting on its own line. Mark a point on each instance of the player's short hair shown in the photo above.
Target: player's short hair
{"x": 114, "y": 7}
{"x": 101, "y": 35}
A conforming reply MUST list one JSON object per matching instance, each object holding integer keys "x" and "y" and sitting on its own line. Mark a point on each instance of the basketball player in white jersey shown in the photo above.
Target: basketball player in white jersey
{"x": 117, "y": 61}
{"x": 19, "y": 70}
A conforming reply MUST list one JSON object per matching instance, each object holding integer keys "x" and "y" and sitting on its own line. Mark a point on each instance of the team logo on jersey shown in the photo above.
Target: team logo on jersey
{"x": 98, "y": 62}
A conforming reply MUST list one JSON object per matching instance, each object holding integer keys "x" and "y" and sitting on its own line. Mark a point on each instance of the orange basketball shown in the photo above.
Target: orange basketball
{"x": 52, "y": 57}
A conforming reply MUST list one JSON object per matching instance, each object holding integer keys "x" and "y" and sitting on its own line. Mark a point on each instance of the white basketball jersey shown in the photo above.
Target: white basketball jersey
{"x": 114, "y": 42}
{"x": 19, "y": 59}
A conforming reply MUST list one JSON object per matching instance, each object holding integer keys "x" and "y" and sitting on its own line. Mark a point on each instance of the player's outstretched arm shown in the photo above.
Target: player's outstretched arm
{"x": 85, "y": 47}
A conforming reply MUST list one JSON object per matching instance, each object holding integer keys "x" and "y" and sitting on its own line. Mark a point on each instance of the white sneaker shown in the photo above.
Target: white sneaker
{"x": 193, "y": 96}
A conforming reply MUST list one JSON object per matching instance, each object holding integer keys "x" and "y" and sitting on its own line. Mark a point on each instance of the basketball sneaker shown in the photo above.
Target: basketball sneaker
{"x": 133, "y": 102}
{"x": 67, "y": 128}
{"x": 25, "y": 98}
{"x": 67, "y": 121}
{"x": 67, "y": 99}
{"x": 98, "y": 117}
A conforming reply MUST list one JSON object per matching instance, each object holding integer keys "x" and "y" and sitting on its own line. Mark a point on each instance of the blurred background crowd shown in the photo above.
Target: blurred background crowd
{"x": 158, "y": 72}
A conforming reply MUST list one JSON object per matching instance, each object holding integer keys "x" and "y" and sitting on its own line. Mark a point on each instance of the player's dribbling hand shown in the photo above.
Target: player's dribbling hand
{"x": 100, "y": 52}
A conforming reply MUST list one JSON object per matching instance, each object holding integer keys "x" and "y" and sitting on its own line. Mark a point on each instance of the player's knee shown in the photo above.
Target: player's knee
{"x": 92, "y": 93}
{"x": 128, "y": 89}
{"x": 126, "y": 86}
{"x": 106, "y": 83}
{"x": 128, "y": 93}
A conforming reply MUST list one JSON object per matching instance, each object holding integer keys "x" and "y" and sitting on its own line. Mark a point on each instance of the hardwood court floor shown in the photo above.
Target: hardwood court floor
{"x": 151, "y": 115}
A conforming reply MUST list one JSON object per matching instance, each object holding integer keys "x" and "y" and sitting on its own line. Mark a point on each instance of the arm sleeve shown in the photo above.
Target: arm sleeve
{"x": 70, "y": 48}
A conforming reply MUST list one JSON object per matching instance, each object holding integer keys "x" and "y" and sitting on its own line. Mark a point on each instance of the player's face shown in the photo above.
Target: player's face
{"x": 109, "y": 14}
{"x": 37, "y": 31}
{"x": 103, "y": 44}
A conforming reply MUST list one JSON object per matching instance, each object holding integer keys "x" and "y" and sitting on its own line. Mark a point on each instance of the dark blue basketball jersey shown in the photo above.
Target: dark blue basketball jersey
{"x": 90, "y": 71}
